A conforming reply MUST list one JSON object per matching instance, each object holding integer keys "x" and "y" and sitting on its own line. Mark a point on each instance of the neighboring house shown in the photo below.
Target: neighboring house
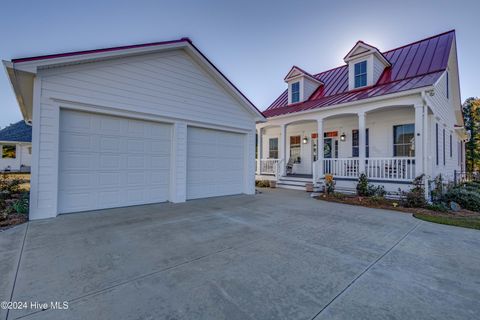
{"x": 392, "y": 115}
{"x": 133, "y": 125}
{"x": 16, "y": 147}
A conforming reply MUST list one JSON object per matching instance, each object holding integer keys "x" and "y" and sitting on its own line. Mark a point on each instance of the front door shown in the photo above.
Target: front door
{"x": 330, "y": 150}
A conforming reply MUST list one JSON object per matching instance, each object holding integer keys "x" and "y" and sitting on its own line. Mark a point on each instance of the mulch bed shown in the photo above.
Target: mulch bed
{"x": 13, "y": 220}
{"x": 389, "y": 205}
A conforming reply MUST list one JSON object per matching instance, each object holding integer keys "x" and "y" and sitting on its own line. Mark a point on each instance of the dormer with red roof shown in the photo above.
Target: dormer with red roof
{"x": 301, "y": 85}
{"x": 365, "y": 65}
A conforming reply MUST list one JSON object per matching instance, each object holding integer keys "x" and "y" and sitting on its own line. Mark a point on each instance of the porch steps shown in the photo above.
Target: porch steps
{"x": 296, "y": 183}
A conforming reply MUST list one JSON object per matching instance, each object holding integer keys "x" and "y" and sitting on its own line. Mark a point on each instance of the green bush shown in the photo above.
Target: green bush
{"x": 365, "y": 189}
{"x": 362, "y": 185}
{"x": 21, "y": 205}
{"x": 466, "y": 198}
{"x": 440, "y": 207}
{"x": 415, "y": 198}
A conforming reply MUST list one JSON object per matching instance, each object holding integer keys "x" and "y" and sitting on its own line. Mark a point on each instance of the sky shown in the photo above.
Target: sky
{"x": 254, "y": 43}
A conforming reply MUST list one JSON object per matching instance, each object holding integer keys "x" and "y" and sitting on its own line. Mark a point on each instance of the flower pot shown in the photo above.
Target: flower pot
{"x": 309, "y": 187}
{"x": 273, "y": 184}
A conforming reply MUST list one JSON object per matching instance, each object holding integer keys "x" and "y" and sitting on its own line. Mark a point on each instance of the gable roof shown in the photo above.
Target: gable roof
{"x": 21, "y": 71}
{"x": 416, "y": 65}
{"x": 361, "y": 49}
{"x": 292, "y": 74}
{"x": 17, "y": 132}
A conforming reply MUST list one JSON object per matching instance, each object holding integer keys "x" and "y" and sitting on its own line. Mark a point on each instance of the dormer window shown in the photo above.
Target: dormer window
{"x": 295, "y": 92}
{"x": 360, "y": 74}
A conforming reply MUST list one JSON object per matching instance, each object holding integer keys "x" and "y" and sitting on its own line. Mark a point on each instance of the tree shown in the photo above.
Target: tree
{"x": 471, "y": 117}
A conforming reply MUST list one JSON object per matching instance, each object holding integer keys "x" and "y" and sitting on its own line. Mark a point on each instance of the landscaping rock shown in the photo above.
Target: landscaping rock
{"x": 455, "y": 206}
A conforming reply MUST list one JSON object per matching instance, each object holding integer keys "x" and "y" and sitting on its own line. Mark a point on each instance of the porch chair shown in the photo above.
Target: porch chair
{"x": 289, "y": 166}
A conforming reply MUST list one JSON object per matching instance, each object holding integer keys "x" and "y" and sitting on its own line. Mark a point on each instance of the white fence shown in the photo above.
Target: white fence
{"x": 268, "y": 166}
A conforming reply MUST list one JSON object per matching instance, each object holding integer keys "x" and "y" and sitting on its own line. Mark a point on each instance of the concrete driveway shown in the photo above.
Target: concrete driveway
{"x": 276, "y": 255}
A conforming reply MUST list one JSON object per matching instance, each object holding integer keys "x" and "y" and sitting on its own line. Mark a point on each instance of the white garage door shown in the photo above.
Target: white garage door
{"x": 107, "y": 161}
{"x": 215, "y": 163}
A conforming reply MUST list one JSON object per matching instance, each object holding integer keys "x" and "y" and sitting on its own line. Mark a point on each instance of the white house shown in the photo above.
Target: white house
{"x": 392, "y": 115}
{"x": 16, "y": 147}
{"x": 133, "y": 125}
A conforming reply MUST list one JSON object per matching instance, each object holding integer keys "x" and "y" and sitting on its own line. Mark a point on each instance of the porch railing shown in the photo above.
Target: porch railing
{"x": 398, "y": 169}
{"x": 269, "y": 166}
{"x": 395, "y": 169}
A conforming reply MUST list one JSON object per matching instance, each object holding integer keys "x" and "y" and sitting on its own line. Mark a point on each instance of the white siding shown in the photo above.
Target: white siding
{"x": 378, "y": 68}
{"x": 444, "y": 114}
{"x": 309, "y": 87}
{"x": 170, "y": 85}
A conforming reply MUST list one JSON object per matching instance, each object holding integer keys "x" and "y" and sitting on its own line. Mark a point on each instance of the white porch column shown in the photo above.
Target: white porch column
{"x": 419, "y": 138}
{"x": 426, "y": 137}
{"x": 283, "y": 148}
{"x": 361, "y": 142}
{"x": 259, "y": 148}
{"x": 320, "y": 148}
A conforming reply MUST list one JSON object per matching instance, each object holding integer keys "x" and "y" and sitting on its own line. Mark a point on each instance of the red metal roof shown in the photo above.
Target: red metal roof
{"x": 418, "y": 64}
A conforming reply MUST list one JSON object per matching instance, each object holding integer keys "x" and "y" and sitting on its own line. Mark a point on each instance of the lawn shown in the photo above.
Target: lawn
{"x": 472, "y": 221}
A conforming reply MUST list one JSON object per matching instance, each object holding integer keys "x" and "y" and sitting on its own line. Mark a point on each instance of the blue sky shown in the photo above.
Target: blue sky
{"x": 254, "y": 43}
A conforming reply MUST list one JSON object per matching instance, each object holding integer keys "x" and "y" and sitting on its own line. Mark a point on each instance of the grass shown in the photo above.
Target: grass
{"x": 472, "y": 222}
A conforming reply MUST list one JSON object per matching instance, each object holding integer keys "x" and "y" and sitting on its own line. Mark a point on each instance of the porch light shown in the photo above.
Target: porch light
{"x": 343, "y": 137}
{"x": 305, "y": 140}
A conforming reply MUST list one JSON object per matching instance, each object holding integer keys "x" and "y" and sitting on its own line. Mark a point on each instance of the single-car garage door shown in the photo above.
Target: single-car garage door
{"x": 107, "y": 161}
{"x": 215, "y": 163}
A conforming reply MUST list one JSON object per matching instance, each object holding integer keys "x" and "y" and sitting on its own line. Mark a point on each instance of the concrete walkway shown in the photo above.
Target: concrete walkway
{"x": 276, "y": 255}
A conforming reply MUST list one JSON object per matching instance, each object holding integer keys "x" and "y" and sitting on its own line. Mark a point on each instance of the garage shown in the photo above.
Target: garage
{"x": 215, "y": 163}
{"x": 107, "y": 161}
{"x": 133, "y": 125}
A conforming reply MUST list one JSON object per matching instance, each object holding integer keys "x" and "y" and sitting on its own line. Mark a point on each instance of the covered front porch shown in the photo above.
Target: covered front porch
{"x": 384, "y": 143}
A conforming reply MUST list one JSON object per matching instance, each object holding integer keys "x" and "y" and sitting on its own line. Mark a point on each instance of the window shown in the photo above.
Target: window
{"x": 444, "y": 147}
{"x": 295, "y": 92}
{"x": 273, "y": 148}
{"x": 360, "y": 74}
{"x": 404, "y": 140}
{"x": 9, "y": 151}
{"x": 356, "y": 141}
{"x": 295, "y": 149}
{"x": 451, "y": 146}
{"x": 29, "y": 150}
{"x": 436, "y": 143}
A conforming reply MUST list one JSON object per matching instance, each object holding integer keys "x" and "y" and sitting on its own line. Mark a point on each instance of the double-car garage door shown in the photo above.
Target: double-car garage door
{"x": 108, "y": 161}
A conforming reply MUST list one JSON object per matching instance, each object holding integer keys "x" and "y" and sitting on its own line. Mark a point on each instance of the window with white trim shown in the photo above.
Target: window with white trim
{"x": 404, "y": 140}
{"x": 295, "y": 92}
{"x": 360, "y": 74}
{"x": 273, "y": 148}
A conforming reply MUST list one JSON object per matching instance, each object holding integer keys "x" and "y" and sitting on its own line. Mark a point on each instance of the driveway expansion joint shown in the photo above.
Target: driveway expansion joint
{"x": 18, "y": 268}
{"x": 367, "y": 269}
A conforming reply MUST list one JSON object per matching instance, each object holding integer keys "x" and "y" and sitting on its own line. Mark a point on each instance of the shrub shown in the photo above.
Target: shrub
{"x": 9, "y": 186}
{"x": 467, "y": 199}
{"x": 262, "y": 183}
{"x": 440, "y": 207}
{"x": 365, "y": 189}
{"x": 329, "y": 184}
{"x": 362, "y": 185}
{"x": 415, "y": 198}
{"x": 21, "y": 205}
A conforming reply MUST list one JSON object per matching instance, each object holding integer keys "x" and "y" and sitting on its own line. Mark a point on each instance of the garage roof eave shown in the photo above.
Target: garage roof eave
{"x": 21, "y": 82}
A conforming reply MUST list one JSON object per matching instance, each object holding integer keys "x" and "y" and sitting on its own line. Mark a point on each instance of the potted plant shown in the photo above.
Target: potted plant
{"x": 309, "y": 187}
{"x": 273, "y": 183}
